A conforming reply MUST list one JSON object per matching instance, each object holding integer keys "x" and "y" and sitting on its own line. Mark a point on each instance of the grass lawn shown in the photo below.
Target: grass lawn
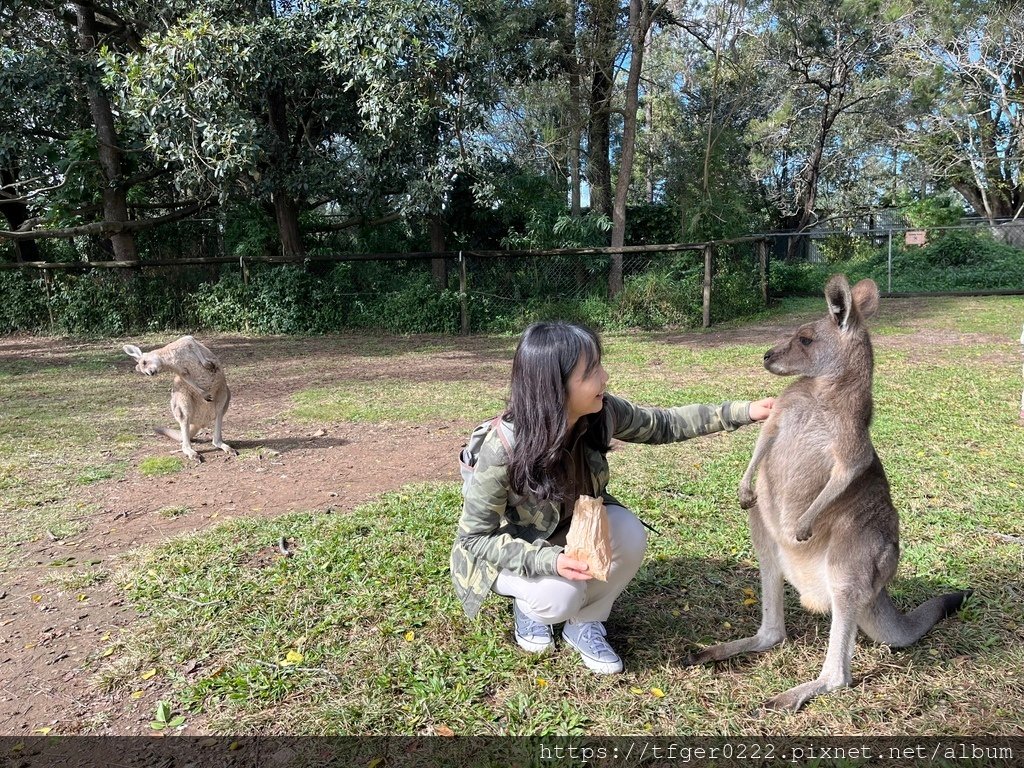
{"x": 359, "y": 632}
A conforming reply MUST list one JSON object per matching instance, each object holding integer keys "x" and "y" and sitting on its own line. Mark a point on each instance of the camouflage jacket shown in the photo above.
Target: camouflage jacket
{"x": 500, "y": 530}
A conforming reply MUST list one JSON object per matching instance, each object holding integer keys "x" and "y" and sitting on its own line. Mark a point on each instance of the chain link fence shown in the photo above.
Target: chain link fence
{"x": 493, "y": 291}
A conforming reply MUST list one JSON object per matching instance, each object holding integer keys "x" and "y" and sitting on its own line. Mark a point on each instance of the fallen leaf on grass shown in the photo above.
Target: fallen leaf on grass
{"x": 657, "y": 693}
{"x": 410, "y": 636}
{"x": 43, "y": 731}
{"x": 138, "y": 694}
{"x": 291, "y": 659}
{"x": 148, "y": 674}
{"x": 444, "y": 730}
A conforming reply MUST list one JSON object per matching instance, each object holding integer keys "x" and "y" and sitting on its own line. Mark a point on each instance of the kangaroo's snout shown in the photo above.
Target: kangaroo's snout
{"x": 772, "y": 360}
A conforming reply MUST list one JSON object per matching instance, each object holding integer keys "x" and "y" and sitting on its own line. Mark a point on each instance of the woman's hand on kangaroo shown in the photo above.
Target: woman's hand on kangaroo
{"x": 761, "y": 409}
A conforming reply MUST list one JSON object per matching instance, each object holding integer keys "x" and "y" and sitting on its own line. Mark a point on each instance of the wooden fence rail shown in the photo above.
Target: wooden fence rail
{"x": 709, "y": 250}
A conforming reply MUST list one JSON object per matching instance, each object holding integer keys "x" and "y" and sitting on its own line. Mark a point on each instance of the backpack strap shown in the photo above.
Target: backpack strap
{"x": 498, "y": 423}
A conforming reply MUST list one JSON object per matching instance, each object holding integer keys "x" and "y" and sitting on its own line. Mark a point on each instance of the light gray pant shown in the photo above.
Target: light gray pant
{"x": 552, "y": 599}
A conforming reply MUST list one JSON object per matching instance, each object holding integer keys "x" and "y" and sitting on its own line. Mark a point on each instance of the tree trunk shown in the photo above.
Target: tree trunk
{"x": 812, "y": 169}
{"x": 649, "y": 180}
{"x": 599, "y": 171}
{"x": 639, "y": 22}
{"x": 286, "y": 214}
{"x": 115, "y": 207}
{"x": 286, "y": 207}
{"x": 573, "y": 117}
{"x": 438, "y": 267}
{"x": 16, "y": 213}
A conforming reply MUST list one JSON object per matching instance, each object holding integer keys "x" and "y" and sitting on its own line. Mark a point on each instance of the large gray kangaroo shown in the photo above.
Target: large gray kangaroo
{"x": 822, "y": 517}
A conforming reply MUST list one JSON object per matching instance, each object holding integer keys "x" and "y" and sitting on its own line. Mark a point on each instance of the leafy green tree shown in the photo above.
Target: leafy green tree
{"x": 965, "y": 63}
{"x": 829, "y": 62}
{"x": 71, "y": 164}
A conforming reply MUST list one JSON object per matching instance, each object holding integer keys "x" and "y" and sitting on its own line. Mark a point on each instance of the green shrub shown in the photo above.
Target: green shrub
{"x": 591, "y": 311}
{"x": 24, "y": 304}
{"x": 414, "y": 306}
{"x": 224, "y": 305}
{"x": 654, "y": 300}
{"x": 95, "y": 303}
{"x": 958, "y": 249}
{"x": 952, "y": 261}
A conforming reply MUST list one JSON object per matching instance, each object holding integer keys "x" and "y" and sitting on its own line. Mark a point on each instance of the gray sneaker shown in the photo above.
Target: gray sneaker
{"x": 588, "y": 637}
{"x": 531, "y": 635}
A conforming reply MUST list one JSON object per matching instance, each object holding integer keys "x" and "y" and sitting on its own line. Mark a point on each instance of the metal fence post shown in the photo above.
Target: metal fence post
{"x": 463, "y": 304}
{"x": 709, "y": 251}
{"x": 889, "y": 284}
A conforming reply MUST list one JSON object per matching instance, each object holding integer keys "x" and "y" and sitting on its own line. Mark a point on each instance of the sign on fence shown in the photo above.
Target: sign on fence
{"x": 916, "y": 237}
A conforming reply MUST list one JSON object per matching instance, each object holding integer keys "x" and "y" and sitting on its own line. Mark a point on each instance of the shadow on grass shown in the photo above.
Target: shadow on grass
{"x": 285, "y": 444}
{"x": 677, "y": 606}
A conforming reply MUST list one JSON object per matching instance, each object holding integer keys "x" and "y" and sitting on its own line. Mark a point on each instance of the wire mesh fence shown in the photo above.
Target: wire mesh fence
{"x": 480, "y": 291}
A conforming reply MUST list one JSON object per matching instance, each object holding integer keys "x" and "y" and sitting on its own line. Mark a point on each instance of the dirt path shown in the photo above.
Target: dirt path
{"x": 50, "y": 638}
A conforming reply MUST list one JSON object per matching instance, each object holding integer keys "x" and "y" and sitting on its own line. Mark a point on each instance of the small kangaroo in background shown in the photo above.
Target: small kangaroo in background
{"x": 199, "y": 392}
{"x": 822, "y": 517}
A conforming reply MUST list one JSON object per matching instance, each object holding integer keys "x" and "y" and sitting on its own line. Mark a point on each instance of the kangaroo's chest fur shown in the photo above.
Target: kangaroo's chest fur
{"x": 853, "y": 535}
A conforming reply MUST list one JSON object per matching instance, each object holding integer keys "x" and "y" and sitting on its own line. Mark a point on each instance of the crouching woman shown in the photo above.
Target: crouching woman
{"x": 549, "y": 448}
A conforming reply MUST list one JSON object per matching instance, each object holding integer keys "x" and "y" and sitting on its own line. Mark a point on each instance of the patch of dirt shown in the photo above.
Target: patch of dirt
{"x": 50, "y": 636}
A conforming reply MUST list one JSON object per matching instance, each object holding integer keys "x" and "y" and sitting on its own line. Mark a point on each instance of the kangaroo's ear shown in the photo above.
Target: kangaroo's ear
{"x": 840, "y": 301}
{"x": 132, "y": 351}
{"x": 865, "y": 296}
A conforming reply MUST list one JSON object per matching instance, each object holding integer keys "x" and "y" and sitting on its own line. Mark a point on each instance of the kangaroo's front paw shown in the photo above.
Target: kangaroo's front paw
{"x": 803, "y": 533}
{"x": 208, "y": 397}
{"x": 748, "y": 497}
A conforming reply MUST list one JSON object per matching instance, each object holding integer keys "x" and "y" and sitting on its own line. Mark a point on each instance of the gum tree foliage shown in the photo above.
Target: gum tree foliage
{"x": 229, "y": 94}
{"x": 704, "y": 90}
{"x": 38, "y": 116}
{"x": 374, "y": 108}
{"x": 964, "y": 63}
{"x": 829, "y": 91}
{"x": 69, "y": 168}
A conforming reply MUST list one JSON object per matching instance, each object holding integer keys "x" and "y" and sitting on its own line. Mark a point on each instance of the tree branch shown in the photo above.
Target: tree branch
{"x": 104, "y": 228}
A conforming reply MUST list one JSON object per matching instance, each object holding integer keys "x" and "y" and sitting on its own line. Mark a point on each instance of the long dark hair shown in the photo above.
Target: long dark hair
{"x": 547, "y": 354}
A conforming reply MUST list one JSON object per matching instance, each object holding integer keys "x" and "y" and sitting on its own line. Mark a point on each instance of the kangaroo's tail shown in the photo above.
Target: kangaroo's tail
{"x": 174, "y": 434}
{"x": 883, "y": 622}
